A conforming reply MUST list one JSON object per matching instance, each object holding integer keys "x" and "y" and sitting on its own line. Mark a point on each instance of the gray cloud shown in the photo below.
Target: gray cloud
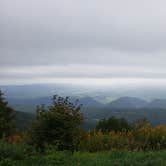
{"x": 106, "y": 33}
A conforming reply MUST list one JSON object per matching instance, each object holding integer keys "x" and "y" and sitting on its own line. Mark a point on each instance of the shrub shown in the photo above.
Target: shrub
{"x": 15, "y": 151}
{"x": 145, "y": 138}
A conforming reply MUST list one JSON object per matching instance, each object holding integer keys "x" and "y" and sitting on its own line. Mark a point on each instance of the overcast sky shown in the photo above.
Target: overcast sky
{"x": 67, "y": 40}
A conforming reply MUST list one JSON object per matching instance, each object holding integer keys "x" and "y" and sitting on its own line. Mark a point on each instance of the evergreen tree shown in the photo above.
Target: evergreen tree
{"x": 7, "y": 124}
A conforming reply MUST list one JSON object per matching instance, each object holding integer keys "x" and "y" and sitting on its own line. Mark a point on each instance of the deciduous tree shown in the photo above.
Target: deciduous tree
{"x": 58, "y": 124}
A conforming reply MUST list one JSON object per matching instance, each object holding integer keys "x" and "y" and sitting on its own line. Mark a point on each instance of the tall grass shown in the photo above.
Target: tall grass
{"x": 114, "y": 158}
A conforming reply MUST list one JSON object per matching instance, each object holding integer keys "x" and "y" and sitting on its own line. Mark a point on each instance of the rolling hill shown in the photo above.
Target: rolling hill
{"x": 128, "y": 102}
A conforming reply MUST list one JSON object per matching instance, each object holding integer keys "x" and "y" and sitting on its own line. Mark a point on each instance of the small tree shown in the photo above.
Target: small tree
{"x": 141, "y": 123}
{"x": 7, "y": 124}
{"x": 58, "y": 125}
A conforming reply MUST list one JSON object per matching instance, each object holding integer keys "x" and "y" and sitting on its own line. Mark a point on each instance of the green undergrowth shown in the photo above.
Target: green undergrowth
{"x": 114, "y": 158}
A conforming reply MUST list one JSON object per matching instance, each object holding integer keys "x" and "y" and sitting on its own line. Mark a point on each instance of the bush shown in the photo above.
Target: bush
{"x": 15, "y": 151}
{"x": 145, "y": 138}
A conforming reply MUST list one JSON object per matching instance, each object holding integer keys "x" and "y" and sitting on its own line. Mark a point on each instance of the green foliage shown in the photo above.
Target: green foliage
{"x": 7, "y": 124}
{"x": 15, "y": 151}
{"x": 59, "y": 125}
{"x": 119, "y": 158}
{"x": 113, "y": 124}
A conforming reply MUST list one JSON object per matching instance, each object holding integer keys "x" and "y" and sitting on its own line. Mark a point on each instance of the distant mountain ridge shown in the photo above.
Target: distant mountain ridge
{"x": 128, "y": 102}
{"x": 27, "y": 101}
{"x": 86, "y": 101}
{"x": 90, "y": 102}
{"x": 120, "y": 103}
{"x": 29, "y": 104}
{"x": 133, "y": 102}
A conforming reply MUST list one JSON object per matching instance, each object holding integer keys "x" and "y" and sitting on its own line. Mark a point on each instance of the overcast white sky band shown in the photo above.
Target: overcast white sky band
{"x": 83, "y": 70}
